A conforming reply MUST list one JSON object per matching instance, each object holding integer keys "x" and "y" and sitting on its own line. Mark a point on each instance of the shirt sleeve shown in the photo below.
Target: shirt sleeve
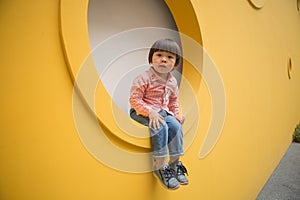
{"x": 174, "y": 105}
{"x": 137, "y": 92}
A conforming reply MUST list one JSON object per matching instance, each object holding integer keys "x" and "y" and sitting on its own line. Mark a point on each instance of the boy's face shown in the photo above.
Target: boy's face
{"x": 163, "y": 62}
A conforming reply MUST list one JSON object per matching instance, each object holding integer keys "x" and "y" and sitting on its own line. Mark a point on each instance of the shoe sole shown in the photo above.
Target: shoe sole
{"x": 184, "y": 183}
{"x": 164, "y": 184}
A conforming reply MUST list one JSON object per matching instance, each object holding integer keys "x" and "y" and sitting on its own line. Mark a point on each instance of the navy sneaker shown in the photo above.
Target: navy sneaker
{"x": 166, "y": 176}
{"x": 180, "y": 172}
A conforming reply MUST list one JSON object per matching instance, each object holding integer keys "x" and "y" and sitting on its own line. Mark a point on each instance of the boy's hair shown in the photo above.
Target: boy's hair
{"x": 167, "y": 45}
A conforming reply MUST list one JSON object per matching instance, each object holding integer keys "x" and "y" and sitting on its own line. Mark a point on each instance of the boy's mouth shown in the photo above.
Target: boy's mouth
{"x": 162, "y": 66}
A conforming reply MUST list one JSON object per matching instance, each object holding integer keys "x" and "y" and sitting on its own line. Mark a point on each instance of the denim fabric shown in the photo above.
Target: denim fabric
{"x": 167, "y": 139}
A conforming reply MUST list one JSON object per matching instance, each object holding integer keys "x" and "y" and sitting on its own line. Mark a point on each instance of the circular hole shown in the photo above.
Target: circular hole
{"x": 78, "y": 46}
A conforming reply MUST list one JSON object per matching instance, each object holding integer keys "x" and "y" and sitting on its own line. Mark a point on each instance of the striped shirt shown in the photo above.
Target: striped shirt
{"x": 150, "y": 92}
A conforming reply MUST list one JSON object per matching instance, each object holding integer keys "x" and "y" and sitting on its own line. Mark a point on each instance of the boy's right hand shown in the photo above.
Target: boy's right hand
{"x": 155, "y": 119}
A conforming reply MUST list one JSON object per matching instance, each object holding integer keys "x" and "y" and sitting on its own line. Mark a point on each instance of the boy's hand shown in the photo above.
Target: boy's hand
{"x": 155, "y": 119}
{"x": 182, "y": 119}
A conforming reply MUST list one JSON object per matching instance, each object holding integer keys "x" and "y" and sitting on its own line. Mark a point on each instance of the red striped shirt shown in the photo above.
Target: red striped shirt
{"x": 150, "y": 91}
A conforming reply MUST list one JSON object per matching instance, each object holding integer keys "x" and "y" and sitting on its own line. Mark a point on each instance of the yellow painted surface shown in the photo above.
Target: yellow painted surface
{"x": 42, "y": 155}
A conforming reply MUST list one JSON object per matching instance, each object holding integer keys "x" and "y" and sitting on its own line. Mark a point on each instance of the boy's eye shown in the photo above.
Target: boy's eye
{"x": 159, "y": 55}
{"x": 170, "y": 57}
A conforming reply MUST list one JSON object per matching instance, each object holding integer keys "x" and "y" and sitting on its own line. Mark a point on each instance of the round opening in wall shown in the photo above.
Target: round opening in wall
{"x": 105, "y": 115}
{"x": 89, "y": 89}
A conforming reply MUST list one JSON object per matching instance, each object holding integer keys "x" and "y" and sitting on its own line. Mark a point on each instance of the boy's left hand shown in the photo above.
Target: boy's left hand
{"x": 155, "y": 119}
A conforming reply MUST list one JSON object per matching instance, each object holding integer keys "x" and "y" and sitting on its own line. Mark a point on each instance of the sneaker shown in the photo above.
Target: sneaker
{"x": 180, "y": 172}
{"x": 166, "y": 176}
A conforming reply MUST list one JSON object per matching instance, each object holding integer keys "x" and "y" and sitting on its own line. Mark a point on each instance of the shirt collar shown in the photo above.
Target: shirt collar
{"x": 155, "y": 76}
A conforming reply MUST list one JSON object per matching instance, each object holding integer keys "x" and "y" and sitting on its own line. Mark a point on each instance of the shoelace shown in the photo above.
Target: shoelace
{"x": 168, "y": 173}
{"x": 182, "y": 170}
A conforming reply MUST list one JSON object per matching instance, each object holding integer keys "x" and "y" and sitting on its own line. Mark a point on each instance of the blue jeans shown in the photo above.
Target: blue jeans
{"x": 167, "y": 139}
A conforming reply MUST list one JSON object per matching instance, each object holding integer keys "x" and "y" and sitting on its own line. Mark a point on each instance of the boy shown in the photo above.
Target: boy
{"x": 154, "y": 103}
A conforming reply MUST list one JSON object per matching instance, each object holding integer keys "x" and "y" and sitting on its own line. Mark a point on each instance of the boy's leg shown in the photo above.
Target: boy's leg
{"x": 159, "y": 142}
{"x": 139, "y": 118}
{"x": 175, "y": 137}
{"x": 158, "y": 162}
{"x": 174, "y": 159}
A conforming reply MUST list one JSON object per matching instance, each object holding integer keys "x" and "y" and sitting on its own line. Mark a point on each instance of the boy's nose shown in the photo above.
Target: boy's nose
{"x": 163, "y": 59}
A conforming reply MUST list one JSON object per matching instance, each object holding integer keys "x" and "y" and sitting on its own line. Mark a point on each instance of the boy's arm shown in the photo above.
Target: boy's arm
{"x": 174, "y": 106}
{"x": 137, "y": 92}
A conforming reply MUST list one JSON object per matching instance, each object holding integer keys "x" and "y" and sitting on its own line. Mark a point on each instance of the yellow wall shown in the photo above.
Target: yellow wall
{"x": 42, "y": 155}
